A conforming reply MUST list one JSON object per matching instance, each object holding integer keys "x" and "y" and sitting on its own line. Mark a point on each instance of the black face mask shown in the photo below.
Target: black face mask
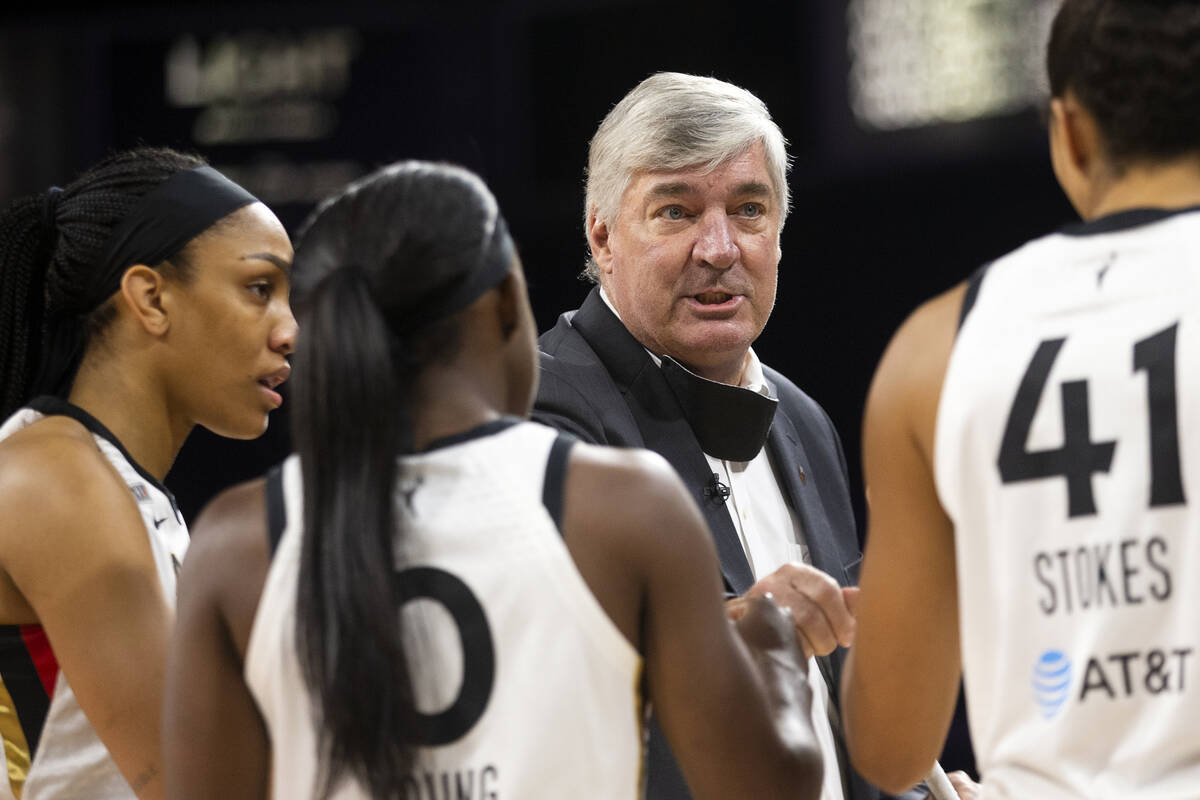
{"x": 731, "y": 423}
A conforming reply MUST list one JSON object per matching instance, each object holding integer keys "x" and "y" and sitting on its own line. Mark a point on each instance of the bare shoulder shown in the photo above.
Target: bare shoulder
{"x": 922, "y": 343}
{"x": 626, "y": 492}
{"x": 631, "y": 481}
{"x": 644, "y": 472}
{"x": 54, "y": 480}
{"x": 233, "y": 522}
{"x": 908, "y": 381}
{"x": 54, "y": 447}
{"x": 227, "y": 561}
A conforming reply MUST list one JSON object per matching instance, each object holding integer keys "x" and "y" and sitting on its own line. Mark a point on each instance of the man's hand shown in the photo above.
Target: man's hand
{"x": 822, "y": 611}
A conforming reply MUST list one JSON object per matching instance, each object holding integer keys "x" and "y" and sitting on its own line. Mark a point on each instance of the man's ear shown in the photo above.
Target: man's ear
{"x": 142, "y": 293}
{"x": 597, "y": 234}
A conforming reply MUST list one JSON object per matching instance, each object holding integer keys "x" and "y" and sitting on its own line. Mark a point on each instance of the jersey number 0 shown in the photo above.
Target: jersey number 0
{"x": 478, "y": 652}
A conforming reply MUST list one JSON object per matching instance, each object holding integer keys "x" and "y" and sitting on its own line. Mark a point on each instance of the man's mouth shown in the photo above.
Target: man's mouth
{"x": 713, "y": 298}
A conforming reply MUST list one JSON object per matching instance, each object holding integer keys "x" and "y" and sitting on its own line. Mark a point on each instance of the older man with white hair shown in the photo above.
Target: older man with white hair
{"x": 686, "y": 196}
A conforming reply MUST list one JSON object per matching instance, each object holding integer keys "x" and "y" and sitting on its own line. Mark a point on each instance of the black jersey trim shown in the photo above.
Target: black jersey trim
{"x": 276, "y": 509}
{"x": 972, "y": 293}
{"x": 1124, "y": 220}
{"x": 478, "y": 432}
{"x": 57, "y": 407}
{"x": 556, "y": 477}
{"x": 24, "y": 685}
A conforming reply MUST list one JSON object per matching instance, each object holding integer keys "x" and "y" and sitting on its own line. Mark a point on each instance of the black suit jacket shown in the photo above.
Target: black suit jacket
{"x": 600, "y": 384}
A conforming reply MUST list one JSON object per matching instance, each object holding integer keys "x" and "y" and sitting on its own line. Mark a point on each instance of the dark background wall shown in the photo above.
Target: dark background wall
{"x": 294, "y": 99}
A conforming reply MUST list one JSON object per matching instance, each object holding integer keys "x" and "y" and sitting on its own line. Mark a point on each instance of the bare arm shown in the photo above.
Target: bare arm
{"x": 736, "y": 709}
{"x": 901, "y": 679}
{"x": 214, "y": 739}
{"x": 75, "y": 547}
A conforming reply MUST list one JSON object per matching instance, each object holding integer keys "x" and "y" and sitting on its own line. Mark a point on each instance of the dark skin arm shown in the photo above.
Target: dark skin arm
{"x": 211, "y": 717}
{"x": 904, "y": 668}
{"x": 735, "y": 708}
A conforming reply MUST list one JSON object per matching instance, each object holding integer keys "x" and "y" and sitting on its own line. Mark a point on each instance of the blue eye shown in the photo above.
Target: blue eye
{"x": 673, "y": 212}
{"x": 752, "y": 210}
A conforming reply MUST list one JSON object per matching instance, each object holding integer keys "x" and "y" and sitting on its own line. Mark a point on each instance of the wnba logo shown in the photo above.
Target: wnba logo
{"x": 1051, "y": 682}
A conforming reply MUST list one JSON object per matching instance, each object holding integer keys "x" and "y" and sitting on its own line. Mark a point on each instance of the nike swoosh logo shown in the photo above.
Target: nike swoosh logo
{"x": 159, "y": 522}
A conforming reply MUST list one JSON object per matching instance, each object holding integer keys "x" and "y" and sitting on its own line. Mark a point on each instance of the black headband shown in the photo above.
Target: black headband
{"x": 164, "y": 220}
{"x": 494, "y": 263}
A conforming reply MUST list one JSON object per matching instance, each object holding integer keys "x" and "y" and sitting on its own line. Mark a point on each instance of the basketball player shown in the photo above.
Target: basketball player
{"x": 1030, "y": 447}
{"x": 148, "y": 296}
{"x": 479, "y": 616}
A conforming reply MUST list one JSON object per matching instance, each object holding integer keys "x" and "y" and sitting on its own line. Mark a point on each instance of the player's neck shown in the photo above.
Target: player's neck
{"x": 139, "y": 418}
{"x": 447, "y": 401}
{"x": 1172, "y": 185}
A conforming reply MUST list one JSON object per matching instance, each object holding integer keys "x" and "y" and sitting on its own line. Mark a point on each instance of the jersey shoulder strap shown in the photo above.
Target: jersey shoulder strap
{"x": 972, "y": 293}
{"x": 276, "y": 510}
{"x": 556, "y": 477}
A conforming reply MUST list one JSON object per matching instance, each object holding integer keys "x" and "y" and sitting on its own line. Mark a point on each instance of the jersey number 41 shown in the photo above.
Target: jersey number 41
{"x": 1079, "y": 456}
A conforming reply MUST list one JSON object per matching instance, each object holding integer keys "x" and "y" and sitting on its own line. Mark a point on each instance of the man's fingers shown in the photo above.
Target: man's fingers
{"x": 811, "y": 622}
{"x": 805, "y": 644}
{"x": 735, "y": 609}
{"x": 819, "y": 606}
{"x": 824, "y": 592}
{"x": 850, "y": 598}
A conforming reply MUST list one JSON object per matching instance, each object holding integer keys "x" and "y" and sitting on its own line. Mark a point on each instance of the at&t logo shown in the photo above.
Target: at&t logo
{"x": 1051, "y": 682}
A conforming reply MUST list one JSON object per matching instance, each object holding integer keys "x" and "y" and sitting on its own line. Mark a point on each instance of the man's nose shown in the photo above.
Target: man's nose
{"x": 715, "y": 244}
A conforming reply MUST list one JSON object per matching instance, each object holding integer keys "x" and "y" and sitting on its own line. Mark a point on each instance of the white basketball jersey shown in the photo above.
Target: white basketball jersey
{"x": 527, "y": 687}
{"x": 1068, "y": 457}
{"x": 51, "y": 749}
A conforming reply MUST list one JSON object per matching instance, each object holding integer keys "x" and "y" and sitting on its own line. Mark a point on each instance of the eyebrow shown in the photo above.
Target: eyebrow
{"x": 283, "y": 265}
{"x": 681, "y": 188}
{"x": 751, "y": 188}
{"x": 670, "y": 189}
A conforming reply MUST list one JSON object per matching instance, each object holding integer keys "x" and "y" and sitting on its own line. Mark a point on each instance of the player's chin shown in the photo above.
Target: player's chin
{"x": 246, "y": 425}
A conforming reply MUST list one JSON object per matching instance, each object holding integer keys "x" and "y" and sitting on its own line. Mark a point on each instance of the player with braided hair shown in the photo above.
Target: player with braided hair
{"x": 1032, "y": 455}
{"x": 147, "y": 296}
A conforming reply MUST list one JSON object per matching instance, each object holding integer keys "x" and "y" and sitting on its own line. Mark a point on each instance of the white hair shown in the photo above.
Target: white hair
{"x": 673, "y": 121}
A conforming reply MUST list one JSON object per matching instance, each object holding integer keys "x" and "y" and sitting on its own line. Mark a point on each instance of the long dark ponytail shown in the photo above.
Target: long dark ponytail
{"x": 369, "y": 264}
{"x": 49, "y": 246}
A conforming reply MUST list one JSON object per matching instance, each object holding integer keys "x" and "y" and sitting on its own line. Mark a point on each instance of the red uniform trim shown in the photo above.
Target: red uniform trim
{"x": 42, "y": 656}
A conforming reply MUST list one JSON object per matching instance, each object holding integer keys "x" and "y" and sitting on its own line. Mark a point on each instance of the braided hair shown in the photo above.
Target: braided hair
{"x": 49, "y": 244}
{"x": 1135, "y": 65}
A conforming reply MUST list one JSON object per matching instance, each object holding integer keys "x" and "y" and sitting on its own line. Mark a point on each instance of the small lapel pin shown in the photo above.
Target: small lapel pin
{"x": 803, "y": 477}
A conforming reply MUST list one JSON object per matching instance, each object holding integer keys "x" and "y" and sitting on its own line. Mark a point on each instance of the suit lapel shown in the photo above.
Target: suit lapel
{"x": 793, "y": 468}
{"x": 664, "y": 430}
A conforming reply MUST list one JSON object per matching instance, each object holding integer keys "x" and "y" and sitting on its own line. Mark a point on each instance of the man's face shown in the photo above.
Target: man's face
{"x": 691, "y": 263}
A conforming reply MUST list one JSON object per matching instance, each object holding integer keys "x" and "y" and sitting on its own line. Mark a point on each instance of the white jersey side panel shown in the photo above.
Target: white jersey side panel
{"x": 554, "y": 712}
{"x": 1068, "y": 457}
{"x": 71, "y": 761}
